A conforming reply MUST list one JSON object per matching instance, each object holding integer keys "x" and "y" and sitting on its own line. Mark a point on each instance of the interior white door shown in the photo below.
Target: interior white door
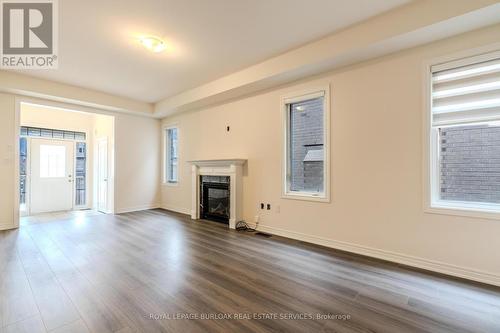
{"x": 102, "y": 175}
{"x": 52, "y": 165}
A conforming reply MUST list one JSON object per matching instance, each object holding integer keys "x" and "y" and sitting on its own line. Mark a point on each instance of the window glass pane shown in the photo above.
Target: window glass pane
{"x": 57, "y": 134}
{"x": 469, "y": 159}
{"x": 46, "y": 133}
{"x": 52, "y": 133}
{"x": 69, "y": 135}
{"x": 23, "y": 155}
{"x": 306, "y": 153}
{"x": 52, "y": 161}
{"x": 172, "y": 154}
{"x": 33, "y": 131}
{"x": 81, "y": 174}
{"x": 79, "y": 136}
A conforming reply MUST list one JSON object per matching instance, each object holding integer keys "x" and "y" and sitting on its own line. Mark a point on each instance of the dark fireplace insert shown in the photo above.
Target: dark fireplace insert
{"x": 214, "y": 198}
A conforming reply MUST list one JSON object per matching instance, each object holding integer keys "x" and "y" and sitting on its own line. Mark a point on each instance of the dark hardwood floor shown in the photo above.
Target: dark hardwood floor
{"x": 156, "y": 271}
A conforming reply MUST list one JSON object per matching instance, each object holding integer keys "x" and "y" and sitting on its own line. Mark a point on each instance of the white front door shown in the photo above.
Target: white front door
{"x": 102, "y": 175}
{"x": 52, "y": 164}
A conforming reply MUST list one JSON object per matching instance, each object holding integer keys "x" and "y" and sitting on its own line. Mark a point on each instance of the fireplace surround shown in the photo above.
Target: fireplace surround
{"x": 228, "y": 177}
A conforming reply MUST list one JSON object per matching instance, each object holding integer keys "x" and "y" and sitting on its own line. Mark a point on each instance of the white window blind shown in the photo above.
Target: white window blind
{"x": 465, "y": 134}
{"x": 468, "y": 90}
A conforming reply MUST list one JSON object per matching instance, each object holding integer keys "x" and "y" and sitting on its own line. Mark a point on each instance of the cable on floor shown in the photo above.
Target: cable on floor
{"x": 243, "y": 226}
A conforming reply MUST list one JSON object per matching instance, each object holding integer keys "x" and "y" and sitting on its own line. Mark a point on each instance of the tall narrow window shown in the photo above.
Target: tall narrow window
{"x": 171, "y": 171}
{"x": 306, "y": 164}
{"x": 81, "y": 174}
{"x": 465, "y": 134}
{"x": 23, "y": 158}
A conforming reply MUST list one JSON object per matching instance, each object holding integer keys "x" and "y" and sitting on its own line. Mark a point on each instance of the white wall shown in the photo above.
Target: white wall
{"x": 7, "y": 149}
{"x": 40, "y": 116}
{"x": 137, "y": 163}
{"x": 377, "y": 112}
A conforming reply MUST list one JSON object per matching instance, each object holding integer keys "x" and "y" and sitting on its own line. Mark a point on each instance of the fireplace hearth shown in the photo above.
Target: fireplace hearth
{"x": 215, "y": 198}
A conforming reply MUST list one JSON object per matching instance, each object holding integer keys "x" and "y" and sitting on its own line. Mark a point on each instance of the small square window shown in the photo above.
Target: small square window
{"x": 46, "y": 133}
{"x": 69, "y": 135}
{"x": 34, "y": 131}
{"x": 58, "y": 134}
{"x": 52, "y": 161}
{"x": 80, "y": 136}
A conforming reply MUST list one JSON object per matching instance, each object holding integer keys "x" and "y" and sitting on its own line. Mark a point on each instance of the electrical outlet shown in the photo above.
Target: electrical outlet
{"x": 261, "y": 205}
{"x": 268, "y": 206}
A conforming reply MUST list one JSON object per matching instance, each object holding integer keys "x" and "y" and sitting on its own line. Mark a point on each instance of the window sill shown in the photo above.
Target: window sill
{"x": 306, "y": 197}
{"x": 465, "y": 209}
{"x": 171, "y": 183}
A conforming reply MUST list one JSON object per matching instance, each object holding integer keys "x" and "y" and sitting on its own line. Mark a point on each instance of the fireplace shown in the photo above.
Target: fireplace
{"x": 214, "y": 198}
{"x": 217, "y": 190}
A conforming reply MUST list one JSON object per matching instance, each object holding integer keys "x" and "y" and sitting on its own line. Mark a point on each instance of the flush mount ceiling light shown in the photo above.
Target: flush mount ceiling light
{"x": 153, "y": 44}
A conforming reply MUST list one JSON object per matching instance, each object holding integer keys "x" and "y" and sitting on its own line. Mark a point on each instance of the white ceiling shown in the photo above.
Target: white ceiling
{"x": 209, "y": 39}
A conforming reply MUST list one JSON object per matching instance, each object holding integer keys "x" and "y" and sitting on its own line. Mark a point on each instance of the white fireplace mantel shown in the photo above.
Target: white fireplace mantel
{"x": 228, "y": 167}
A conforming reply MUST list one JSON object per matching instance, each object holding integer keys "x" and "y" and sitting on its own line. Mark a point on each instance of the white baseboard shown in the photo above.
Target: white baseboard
{"x": 136, "y": 208}
{"x": 431, "y": 265}
{"x": 7, "y": 226}
{"x": 181, "y": 210}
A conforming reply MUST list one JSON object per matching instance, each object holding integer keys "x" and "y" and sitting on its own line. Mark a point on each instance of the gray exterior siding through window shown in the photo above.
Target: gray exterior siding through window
{"x": 470, "y": 163}
{"x": 306, "y": 145}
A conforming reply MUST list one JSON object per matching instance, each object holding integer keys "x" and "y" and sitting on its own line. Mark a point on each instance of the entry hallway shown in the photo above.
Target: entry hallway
{"x": 105, "y": 273}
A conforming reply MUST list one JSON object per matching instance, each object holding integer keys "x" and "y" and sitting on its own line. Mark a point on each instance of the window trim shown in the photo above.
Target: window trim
{"x": 165, "y": 180}
{"x": 431, "y": 201}
{"x": 294, "y": 98}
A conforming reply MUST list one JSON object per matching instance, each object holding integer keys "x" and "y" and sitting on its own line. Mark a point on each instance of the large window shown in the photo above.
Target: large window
{"x": 306, "y": 135}
{"x": 171, "y": 160}
{"x": 465, "y": 134}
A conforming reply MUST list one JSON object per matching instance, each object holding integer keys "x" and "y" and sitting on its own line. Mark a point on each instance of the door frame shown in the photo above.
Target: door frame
{"x": 18, "y": 100}
{"x": 17, "y": 136}
{"x": 98, "y": 142}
